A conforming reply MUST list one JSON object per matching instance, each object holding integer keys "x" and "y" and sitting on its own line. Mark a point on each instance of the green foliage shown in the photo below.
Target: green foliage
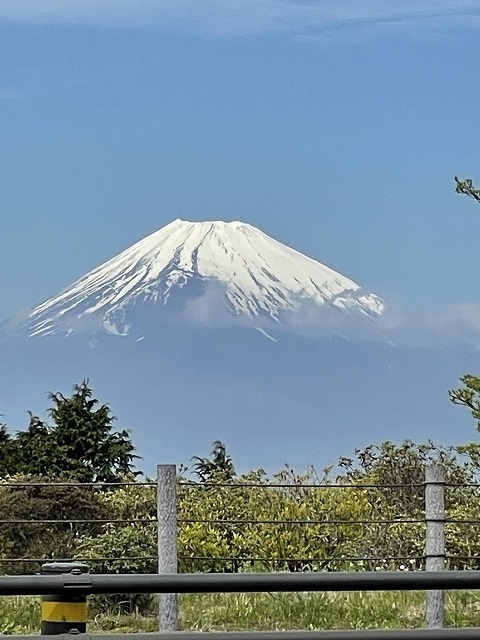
{"x": 81, "y": 444}
{"x": 218, "y": 467}
{"x": 285, "y": 526}
{"x": 403, "y": 468}
{"x": 19, "y": 615}
{"x": 294, "y": 525}
{"x": 9, "y": 453}
{"x": 302, "y": 522}
{"x": 129, "y": 547}
{"x": 468, "y": 396}
{"x": 31, "y": 504}
{"x": 467, "y": 188}
{"x": 398, "y": 470}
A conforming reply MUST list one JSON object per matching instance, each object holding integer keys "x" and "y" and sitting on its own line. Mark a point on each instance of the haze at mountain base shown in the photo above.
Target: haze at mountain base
{"x": 298, "y": 400}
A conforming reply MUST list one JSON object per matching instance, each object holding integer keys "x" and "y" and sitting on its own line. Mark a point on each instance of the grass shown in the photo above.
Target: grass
{"x": 301, "y": 611}
{"x": 265, "y": 611}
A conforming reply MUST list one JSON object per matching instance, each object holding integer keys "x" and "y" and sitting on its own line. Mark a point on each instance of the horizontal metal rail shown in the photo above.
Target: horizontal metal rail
{"x": 153, "y": 520}
{"x": 92, "y": 485}
{"x": 224, "y": 522}
{"x": 82, "y": 521}
{"x": 234, "y": 522}
{"x": 85, "y": 584}
{"x": 469, "y": 521}
{"x": 275, "y": 485}
{"x": 233, "y": 485}
{"x": 306, "y": 522}
{"x": 362, "y": 634}
{"x": 239, "y": 558}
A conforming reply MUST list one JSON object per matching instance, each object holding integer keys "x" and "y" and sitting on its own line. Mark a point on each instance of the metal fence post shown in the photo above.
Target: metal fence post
{"x": 66, "y": 613}
{"x": 435, "y": 541}
{"x": 167, "y": 542}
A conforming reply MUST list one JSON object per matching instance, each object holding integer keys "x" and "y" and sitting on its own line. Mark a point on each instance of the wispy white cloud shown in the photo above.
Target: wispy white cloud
{"x": 232, "y": 18}
{"x": 451, "y": 325}
{"x": 447, "y": 326}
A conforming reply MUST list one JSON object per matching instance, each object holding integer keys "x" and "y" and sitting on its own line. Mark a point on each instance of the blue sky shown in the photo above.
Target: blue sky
{"x": 335, "y": 126}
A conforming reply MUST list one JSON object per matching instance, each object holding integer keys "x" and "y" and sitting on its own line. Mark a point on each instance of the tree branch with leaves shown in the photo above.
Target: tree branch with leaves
{"x": 467, "y": 188}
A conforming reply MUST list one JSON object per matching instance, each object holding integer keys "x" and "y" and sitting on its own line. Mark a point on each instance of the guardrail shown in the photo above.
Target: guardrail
{"x": 87, "y": 584}
{"x": 76, "y": 584}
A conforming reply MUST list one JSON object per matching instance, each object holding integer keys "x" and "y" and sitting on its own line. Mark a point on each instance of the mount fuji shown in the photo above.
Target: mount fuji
{"x": 165, "y": 333}
{"x": 208, "y": 272}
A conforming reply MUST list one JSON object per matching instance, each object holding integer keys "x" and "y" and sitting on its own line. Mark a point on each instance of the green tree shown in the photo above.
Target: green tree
{"x": 468, "y": 395}
{"x": 219, "y": 466}
{"x": 81, "y": 443}
{"x": 9, "y": 453}
{"x": 398, "y": 471}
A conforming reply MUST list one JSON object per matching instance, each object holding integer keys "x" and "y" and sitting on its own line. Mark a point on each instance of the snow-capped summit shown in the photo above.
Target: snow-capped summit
{"x": 256, "y": 277}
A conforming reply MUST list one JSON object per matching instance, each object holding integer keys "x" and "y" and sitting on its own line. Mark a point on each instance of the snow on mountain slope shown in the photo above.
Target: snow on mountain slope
{"x": 258, "y": 277}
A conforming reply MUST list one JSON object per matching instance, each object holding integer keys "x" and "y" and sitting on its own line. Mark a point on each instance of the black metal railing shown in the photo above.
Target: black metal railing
{"x": 70, "y": 584}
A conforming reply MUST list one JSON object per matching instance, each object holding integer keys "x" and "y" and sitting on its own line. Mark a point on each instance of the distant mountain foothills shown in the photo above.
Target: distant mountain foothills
{"x": 210, "y": 331}
{"x": 205, "y": 273}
